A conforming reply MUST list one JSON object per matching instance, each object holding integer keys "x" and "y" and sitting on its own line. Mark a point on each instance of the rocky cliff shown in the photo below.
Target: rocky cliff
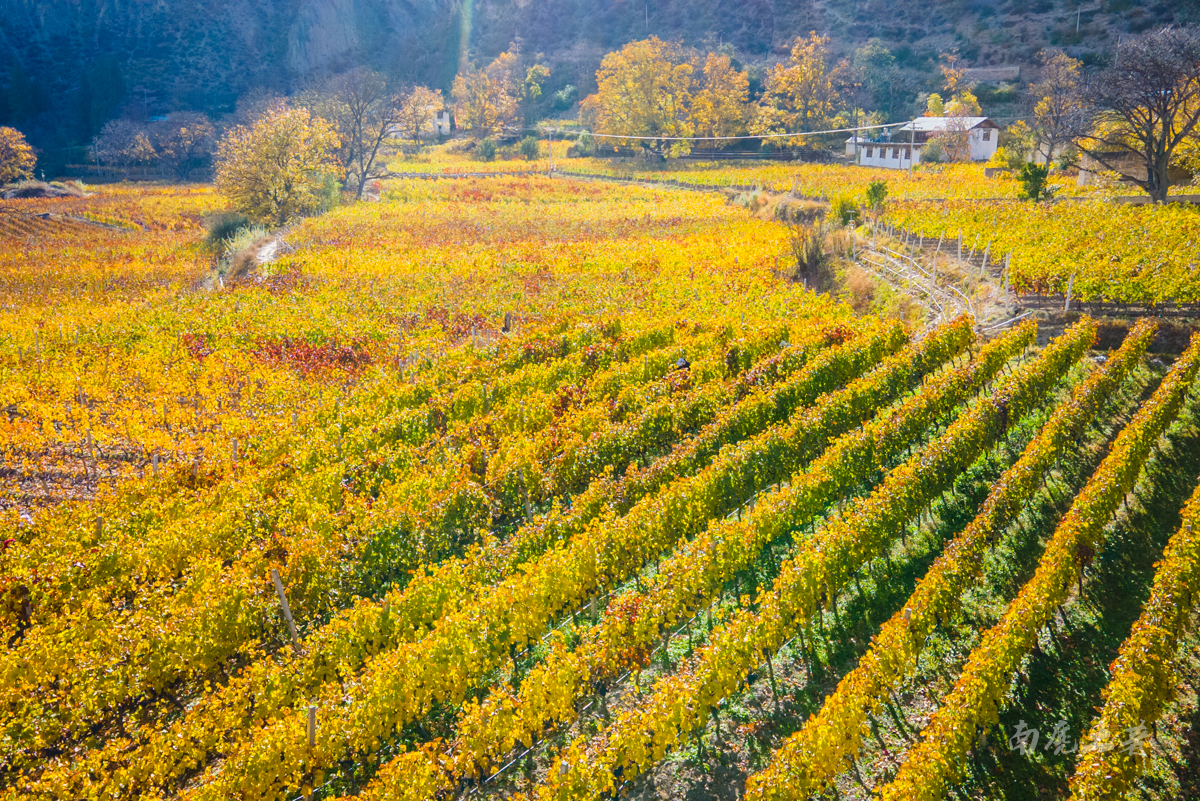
{"x": 85, "y": 59}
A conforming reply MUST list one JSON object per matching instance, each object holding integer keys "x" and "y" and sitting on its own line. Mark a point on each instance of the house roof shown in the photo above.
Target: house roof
{"x": 929, "y": 124}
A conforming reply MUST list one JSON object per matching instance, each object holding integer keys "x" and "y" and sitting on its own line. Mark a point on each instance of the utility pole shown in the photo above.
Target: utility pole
{"x": 912, "y": 140}
{"x": 856, "y": 131}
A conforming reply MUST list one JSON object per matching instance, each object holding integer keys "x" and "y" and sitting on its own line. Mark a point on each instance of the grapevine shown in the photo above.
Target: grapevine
{"x": 978, "y": 695}
{"x": 814, "y": 755}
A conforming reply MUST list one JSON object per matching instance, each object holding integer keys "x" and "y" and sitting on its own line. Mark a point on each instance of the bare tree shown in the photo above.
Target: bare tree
{"x": 184, "y": 141}
{"x": 1144, "y": 106}
{"x": 955, "y": 138}
{"x": 363, "y": 111}
{"x": 256, "y": 103}
{"x": 1057, "y": 100}
{"x": 122, "y": 144}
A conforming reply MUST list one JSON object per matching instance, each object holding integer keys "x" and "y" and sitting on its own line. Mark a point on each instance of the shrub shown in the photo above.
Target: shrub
{"x": 813, "y": 266}
{"x": 486, "y": 149}
{"x": 530, "y": 148}
{"x": 223, "y": 225}
{"x": 799, "y": 211}
{"x": 843, "y": 210}
{"x": 585, "y": 145}
{"x": 330, "y": 194}
{"x": 1007, "y": 158}
{"x": 40, "y": 189}
{"x": 244, "y": 237}
{"x": 876, "y": 194}
{"x": 861, "y": 288}
{"x": 1033, "y": 182}
{"x": 934, "y": 152}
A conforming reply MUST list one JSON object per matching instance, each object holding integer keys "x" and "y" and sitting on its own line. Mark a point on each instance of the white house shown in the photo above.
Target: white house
{"x": 904, "y": 148}
{"x": 862, "y": 142}
{"x": 889, "y": 155}
{"x": 441, "y": 123}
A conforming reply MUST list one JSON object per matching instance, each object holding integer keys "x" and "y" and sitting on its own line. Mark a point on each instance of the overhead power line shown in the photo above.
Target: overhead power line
{"x": 729, "y": 138}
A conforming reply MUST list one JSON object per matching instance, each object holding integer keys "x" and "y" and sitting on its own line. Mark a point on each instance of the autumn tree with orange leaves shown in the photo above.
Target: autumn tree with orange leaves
{"x": 485, "y": 100}
{"x": 488, "y": 101}
{"x": 279, "y": 167}
{"x": 802, "y": 93}
{"x": 644, "y": 91}
{"x": 16, "y": 157}
{"x": 721, "y": 106}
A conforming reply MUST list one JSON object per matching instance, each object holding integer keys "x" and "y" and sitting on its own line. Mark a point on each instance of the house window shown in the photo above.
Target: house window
{"x": 987, "y": 136}
{"x": 870, "y": 151}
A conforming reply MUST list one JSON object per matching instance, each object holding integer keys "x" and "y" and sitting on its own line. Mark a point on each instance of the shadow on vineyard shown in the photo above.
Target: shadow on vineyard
{"x": 1187, "y": 768}
{"x": 1011, "y": 561}
{"x": 808, "y": 669}
{"x": 520, "y": 484}
{"x": 1067, "y": 673}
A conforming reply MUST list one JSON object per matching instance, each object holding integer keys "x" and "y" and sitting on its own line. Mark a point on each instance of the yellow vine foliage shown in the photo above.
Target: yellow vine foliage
{"x": 973, "y": 706}
{"x": 810, "y": 759}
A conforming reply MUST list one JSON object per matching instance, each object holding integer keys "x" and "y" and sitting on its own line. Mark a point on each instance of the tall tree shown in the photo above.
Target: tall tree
{"x": 955, "y": 138}
{"x": 644, "y": 90}
{"x": 363, "y": 111}
{"x": 25, "y": 98}
{"x": 183, "y": 142}
{"x": 17, "y": 158}
{"x": 1057, "y": 99}
{"x": 953, "y": 74}
{"x": 123, "y": 143}
{"x": 964, "y": 104}
{"x": 106, "y": 92}
{"x": 486, "y": 101}
{"x": 876, "y": 66}
{"x": 419, "y": 107}
{"x": 801, "y": 94}
{"x": 721, "y": 105}
{"x": 531, "y": 88}
{"x": 1145, "y": 105}
{"x": 280, "y": 166}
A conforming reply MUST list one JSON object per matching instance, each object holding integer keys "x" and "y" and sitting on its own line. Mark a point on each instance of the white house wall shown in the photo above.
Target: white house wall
{"x": 981, "y": 149}
{"x": 884, "y": 156}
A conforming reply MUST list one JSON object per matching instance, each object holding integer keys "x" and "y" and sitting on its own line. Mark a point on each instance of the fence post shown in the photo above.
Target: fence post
{"x": 287, "y": 610}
